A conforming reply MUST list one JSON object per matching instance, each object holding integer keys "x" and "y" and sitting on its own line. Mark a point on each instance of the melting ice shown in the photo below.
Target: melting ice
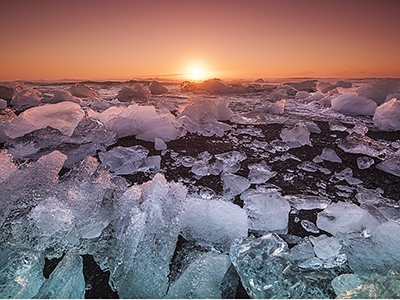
{"x": 201, "y": 190}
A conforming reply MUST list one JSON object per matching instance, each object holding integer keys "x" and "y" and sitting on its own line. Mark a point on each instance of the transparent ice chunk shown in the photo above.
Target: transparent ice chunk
{"x": 202, "y": 279}
{"x": 66, "y": 281}
{"x": 213, "y": 223}
{"x": 267, "y": 211}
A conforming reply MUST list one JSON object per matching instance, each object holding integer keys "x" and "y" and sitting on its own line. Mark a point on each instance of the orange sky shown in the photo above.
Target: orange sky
{"x": 118, "y": 39}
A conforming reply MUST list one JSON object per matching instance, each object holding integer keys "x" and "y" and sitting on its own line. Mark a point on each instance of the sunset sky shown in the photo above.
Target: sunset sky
{"x": 118, "y": 39}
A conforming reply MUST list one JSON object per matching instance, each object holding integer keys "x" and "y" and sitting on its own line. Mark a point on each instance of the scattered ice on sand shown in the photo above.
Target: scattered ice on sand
{"x": 297, "y": 136}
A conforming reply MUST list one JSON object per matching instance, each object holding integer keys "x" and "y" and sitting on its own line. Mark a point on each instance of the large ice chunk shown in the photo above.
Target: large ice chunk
{"x": 213, "y": 223}
{"x": 332, "y": 86}
{"x": 297, "y": 136}
{"x": 386, "y": 115}
{"x": 127, "y": 160}
{"x": 6, "y": 92}
{"x": 234, "y": 184}
{"x": 267, "y": 211}
{"x": 378, "y": 89}
{"x": 228, "y": 162}
{"x": 260, "y": 173}
{"x": 205, "y": 110}
{"x": 27, "y": 186}
{"x": 391, "y": 164}
{"x": 308, "y": 85}
{"x": 354, "y": 105}
{"x": 63, "y": 116}
{"x": 135, "y": 93}
{"x": 329, "y": 155}
{"x": 79, "y": 208}
{"x": 21, "y": 273}
{"x": 66, "y": 281}
{"x": 346, "y": 218}
{"x": 325, "y": 247}
{"x": 202, "y": 279}
{"x": 82, "y": 91}
{"x": 267, "y": 271}
{"x": 345, "y": 282}
{"x": 147, "y": 234}
{"x": 157, "y": 88}
{"x": 61, "y": 96}
{"x": 25, "y": 99}
{"x": 142, "y": 121}
{"x": 361, "y": 144}
{"x": 308, "y": 202}
{"x": 378, "y": 287}
{"x": 362, "y": 252}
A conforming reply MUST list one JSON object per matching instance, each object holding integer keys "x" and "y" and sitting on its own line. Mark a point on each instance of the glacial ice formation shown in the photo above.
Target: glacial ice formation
{"x": 202, "y": 279}
{"x": 297, "y": 136}
{"x": 123, "y": 161}
{"x": 157, "y": 88}
{"x": 353, "y": 104}
{"x": 213, "y": 223}
{"x": 386, "y": 117}
{"x": 63, "y": 116}
{"x": 61, "y": 96}
{"x": 82, "y": 91}
{"x": 391, "y": 164}
{"x": 267, "y": 211}
{"x": 267, "y": 270}
{"x": 240, "y": 198}
{"x": 21, "y": 273}
{"x": 142, "y": 121}
{"x": 135, "y": 93}
{"x": 6, "y": 92}
{"x": 378, "y": 89}
{"x": 146, "y": 238}
{"x": 66, "y": 281}
{"x": 333, "y": 220}
{"x": 25, "y": 99}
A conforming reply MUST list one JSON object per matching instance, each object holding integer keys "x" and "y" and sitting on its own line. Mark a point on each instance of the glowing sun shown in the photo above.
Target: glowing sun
{"x": 197, "y": 73}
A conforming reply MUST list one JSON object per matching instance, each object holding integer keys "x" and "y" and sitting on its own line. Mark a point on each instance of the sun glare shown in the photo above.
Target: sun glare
{"x": 197, "y": 74}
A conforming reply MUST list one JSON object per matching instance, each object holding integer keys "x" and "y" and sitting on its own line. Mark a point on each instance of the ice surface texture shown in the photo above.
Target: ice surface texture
{"x": 353, "y": 104}
{"x": 267, "y": 211}
{"x": 386, "y": 116}
{"x": 146, "y": 240}
{"x": 213, "y": 223}
{"x": 21, "y": 273}
{"x": 267, "y": 270}
{"x": 66, "y": 281}
{"x": 142, "y": 121}
{"x": 63, "y": 116}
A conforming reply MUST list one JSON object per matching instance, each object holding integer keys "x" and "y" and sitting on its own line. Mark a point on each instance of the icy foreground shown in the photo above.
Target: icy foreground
{"x": 205, "y": 190}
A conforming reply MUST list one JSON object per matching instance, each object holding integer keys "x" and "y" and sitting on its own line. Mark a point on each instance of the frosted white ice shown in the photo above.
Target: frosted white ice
{"x": 386, "y": 116}
{"x": 354, "y": 105}
{"x": 213, "y": 223}
{"x": 202, "y": 279}
{"x": 346, "y": 218}
{"x": 63, "y": 116}
{"x": 267, "y": 211}
{"x": 297, "y": 136}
